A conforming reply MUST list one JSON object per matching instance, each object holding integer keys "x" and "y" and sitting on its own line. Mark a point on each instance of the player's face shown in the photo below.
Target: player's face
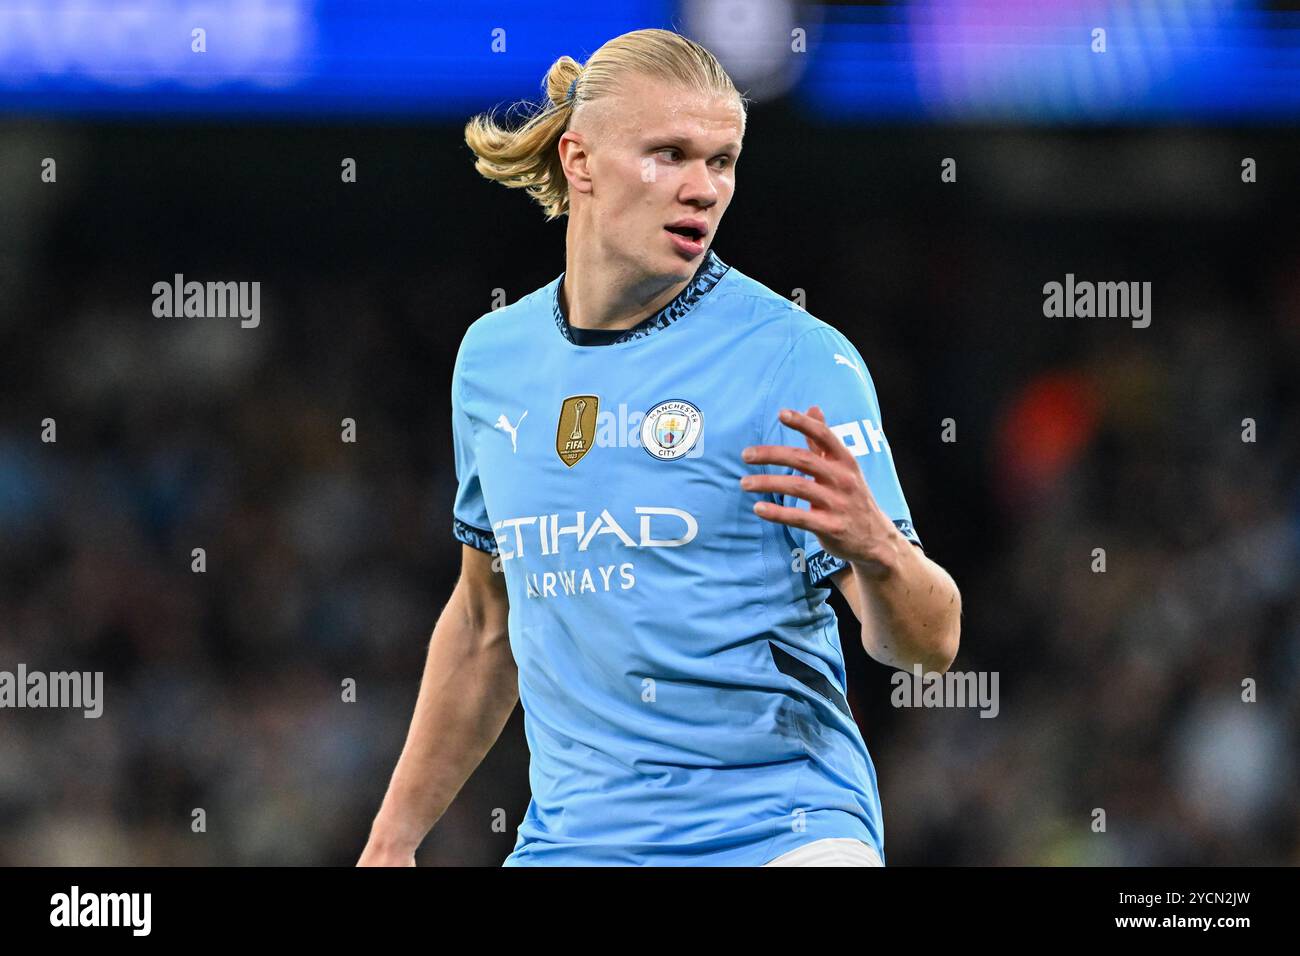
{"x": 663, "y": 174}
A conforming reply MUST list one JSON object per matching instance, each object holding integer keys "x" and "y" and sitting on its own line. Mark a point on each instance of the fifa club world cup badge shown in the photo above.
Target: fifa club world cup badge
{"x": 671, "y": 429}
{"x": 576, "y": 430}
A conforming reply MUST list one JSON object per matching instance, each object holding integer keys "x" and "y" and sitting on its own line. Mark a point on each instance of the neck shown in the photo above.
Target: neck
{"x": 600, "y": 292}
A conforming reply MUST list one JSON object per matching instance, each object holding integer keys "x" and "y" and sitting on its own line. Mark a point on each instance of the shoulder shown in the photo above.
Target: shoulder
{"x": 504, "y": 332}
{"x": 775, "y": 325}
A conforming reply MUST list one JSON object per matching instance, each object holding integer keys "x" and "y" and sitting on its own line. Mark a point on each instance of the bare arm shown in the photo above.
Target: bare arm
{"x": 909, "y": 607}
{"x": 910, "y": 610}
{"x": 468, "y": 691}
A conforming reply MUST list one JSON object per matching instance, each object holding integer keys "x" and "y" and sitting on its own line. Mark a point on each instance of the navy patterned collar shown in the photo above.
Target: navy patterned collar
{"x": 709, "y": 274}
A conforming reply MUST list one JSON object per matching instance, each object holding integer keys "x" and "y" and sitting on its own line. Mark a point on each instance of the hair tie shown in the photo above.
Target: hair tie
{"x": 573, "y": 88}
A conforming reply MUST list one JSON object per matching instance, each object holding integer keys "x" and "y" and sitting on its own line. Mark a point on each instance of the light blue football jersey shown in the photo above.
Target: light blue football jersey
{"x": 679, "y": 666}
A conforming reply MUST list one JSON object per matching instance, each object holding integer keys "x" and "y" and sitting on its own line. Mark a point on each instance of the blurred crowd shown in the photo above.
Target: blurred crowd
{"x": 1143, "y": 612}
{"x": 227, "y": 738}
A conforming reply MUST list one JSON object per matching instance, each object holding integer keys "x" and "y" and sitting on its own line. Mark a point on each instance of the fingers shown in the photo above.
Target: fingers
{"x": 796, "y": 486}
{"x": 817, "y": 433}
{"x": 815, "y": 413}
{"x": 793, "y": 517}
{"x": 802, "y": 459}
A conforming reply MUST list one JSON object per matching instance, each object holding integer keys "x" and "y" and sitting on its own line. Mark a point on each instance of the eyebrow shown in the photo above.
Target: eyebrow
{"x": 674, "y": 139}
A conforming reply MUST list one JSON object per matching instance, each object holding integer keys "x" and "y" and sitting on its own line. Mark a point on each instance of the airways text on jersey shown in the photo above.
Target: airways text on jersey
{"x": 655, "y": 527}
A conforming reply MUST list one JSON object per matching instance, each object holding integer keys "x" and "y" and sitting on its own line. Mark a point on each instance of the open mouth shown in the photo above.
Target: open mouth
{"x": 686, "y": 232}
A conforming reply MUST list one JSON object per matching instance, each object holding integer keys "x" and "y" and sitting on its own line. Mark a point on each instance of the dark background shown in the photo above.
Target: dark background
{"x": 328, "y": 560}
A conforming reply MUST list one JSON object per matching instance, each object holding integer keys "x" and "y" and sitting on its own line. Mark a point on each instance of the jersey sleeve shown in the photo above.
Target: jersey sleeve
{"x": 470, "y": 524}
{"x": 823, "y": 368}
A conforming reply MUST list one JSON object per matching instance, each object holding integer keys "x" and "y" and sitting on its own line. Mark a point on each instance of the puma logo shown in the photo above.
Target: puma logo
{"x": 503, "y": 423}
{"x": 841, "y": 360}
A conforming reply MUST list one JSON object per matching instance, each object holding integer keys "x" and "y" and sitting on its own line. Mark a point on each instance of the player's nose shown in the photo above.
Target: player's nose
{"x": 698, "y": 187}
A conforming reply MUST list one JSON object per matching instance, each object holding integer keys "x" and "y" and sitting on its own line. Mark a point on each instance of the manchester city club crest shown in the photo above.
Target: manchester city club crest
{"x": 671, "y": 429}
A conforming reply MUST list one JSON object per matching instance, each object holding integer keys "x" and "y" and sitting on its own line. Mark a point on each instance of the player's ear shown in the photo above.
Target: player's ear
{"x": 575, "y": 158}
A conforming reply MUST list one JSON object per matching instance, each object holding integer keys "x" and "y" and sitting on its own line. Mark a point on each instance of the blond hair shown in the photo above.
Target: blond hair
{"x": 528, "y": 157}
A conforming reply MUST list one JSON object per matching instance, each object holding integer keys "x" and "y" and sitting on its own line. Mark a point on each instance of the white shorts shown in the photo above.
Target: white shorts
{"x": 833, "y": 851}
